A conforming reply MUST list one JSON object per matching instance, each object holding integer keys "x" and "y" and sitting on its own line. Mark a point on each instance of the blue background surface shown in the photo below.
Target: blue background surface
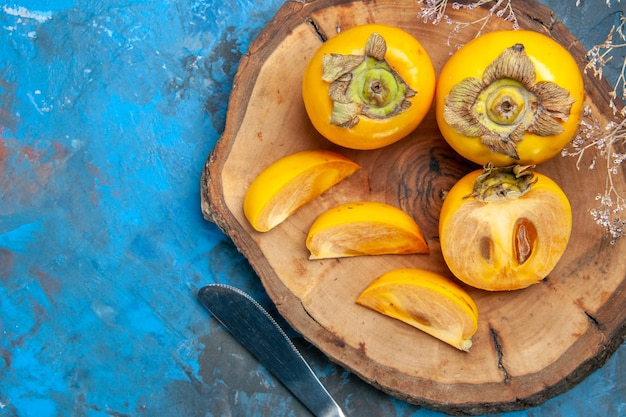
{"x": 108, "y": 110}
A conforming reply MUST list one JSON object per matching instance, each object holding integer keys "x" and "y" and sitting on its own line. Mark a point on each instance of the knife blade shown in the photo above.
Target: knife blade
{"x": 252, "y": 326}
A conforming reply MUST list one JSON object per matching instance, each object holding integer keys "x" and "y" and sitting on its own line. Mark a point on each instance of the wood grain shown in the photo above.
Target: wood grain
{"x": 531, "y": 344}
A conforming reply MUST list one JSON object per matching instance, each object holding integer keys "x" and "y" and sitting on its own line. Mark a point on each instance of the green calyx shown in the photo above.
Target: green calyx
{"x": 503, "y": 105}
{"x": 503, "y": 183}
{"x": 364, "y": 85}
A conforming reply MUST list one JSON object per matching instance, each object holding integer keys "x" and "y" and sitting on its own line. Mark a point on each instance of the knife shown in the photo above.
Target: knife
{"x": 253, "y": 327}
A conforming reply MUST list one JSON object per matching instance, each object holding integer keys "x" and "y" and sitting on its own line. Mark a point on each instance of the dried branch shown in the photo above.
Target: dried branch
{"x": 606, "y": 144}
{"x": 435, "y": 11}
{"x": 602, "y": 54}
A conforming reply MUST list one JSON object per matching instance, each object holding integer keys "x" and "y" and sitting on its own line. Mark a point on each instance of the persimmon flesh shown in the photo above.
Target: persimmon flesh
{"x": 500, "y": 242}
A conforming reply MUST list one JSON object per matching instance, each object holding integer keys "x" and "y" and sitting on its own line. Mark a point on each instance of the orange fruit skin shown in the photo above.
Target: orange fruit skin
{"x": 552, "y": 63}
{"x": 405, "y": 55}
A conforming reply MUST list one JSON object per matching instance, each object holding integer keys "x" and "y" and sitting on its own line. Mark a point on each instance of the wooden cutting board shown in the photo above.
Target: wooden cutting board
{"x": 531, "y": 344}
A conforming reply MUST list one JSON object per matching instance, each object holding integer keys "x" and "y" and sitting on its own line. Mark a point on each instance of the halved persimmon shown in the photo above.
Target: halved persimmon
{"x": 504, "y": 228}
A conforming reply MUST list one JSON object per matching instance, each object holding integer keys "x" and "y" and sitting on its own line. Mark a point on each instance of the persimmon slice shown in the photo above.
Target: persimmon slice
{"x": 291, "y": 182}
{"x": 364, "y": 228}
{"x": 427, "y": 301}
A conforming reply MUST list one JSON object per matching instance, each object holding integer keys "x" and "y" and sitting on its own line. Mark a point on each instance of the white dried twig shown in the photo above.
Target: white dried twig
{"x": 435, "y": 11}
{"x": 606, "y": 144}
{"x": 602, "y": 54}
